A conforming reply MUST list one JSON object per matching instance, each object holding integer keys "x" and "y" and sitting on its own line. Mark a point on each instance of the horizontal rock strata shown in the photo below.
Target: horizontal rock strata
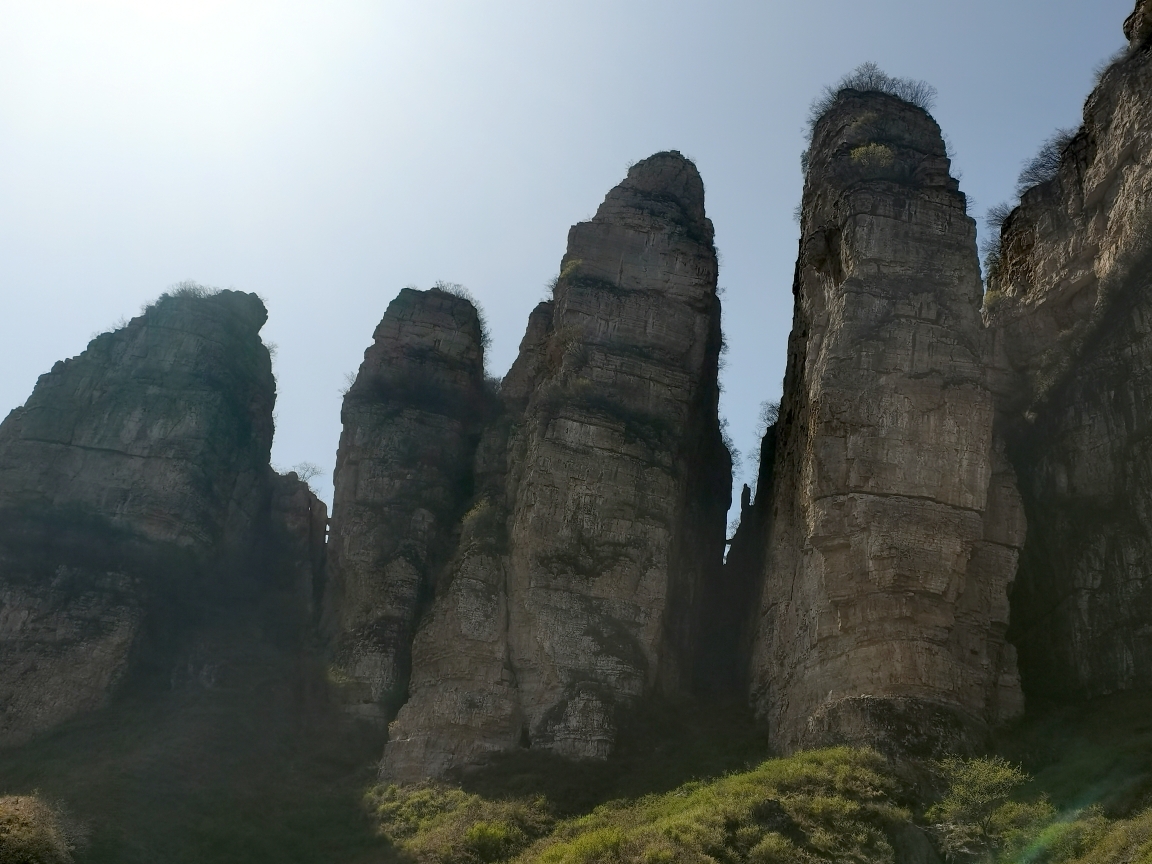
{"x": 411, "y": 422}
{"x": 893, "y": 524}
{"x": 602, "y": 493}
{"x": 133, "y": 482}
{"x": 1071, "y": 306}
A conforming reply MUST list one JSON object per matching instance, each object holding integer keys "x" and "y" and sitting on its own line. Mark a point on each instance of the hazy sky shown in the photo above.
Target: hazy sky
{"x": 326, "y": 154}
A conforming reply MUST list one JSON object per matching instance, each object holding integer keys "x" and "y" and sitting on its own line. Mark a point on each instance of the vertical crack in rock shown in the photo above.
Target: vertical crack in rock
{"x": 601, "y": 499}
{"x": 892, "y": 521}
{"x": 411, "y": 421}
{"x": 135, "y": 498}
{"x": 1073, "y": 320}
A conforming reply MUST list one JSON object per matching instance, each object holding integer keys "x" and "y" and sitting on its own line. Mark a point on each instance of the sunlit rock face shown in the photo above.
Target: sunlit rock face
{"x": 601, "y": 494}
{"x": 890, "y": 517}
{"x": 411, "y": 421}
{"x": 1071, "y": 312}
{"x": 135, "y": 492}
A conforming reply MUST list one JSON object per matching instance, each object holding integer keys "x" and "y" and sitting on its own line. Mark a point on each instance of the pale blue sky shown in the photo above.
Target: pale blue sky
{"x": 326, "y": 154}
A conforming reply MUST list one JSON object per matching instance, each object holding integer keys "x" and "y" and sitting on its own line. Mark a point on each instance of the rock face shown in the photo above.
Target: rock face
{"x": 134, "y": 485}
{"x": 600, "y": 500}
{"x": 892, "y": 524}
{"x": 403, "y": 474}
{"x": 297, "y": 539}
{"x": 163, "y": 427}
{"x": 1072, "y": 311}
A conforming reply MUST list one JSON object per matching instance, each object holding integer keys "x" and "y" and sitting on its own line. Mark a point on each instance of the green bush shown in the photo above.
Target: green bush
{"x": 31, "y": 832}
{"x": 872, "y": 156}
{"x": 818, "y": 806}
{"x": 826, "y": 805}
{"x": 1099, "y": 841}
{"x": 446, "y": 825}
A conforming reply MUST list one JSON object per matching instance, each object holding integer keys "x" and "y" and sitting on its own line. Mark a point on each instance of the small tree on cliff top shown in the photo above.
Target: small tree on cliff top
{"x": 870, "y": 78}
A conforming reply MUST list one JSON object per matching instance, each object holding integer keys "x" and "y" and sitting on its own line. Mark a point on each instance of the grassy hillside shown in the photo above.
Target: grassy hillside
{"x": 1087, "y": 799}
{"x": 266, "y": 773}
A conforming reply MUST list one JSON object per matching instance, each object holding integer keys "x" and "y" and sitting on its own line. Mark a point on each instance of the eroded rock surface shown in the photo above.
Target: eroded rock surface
{"x": 411, "y": 422}
{"x": 134, "y": 482}
{"x": 893, "y": 525}
{"x": 1071, "y": 307}
{"x": 602, "y": 493}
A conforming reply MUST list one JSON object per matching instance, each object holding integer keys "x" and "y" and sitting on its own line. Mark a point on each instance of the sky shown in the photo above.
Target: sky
{"x": 326, "y": 154}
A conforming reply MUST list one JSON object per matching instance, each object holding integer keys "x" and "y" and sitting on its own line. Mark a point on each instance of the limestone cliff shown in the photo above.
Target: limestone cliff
{"x": 891, "y": 519}
{"x": 411, "y": 421}
{"x": 1070, "y": 306}
{"x": 601, "y": 499}
{"x": 135, "y": 492}
{"x": 163, "y": 427}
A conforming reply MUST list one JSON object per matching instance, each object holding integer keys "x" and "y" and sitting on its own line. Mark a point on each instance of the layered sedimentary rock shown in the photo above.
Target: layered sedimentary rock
{"x": 892, "y": 524}
{"x": 601, "y": 499}
{"x": 412, "y": 420}
{"x": 164, "y": 426}
{"x": 1071, "y": 306}
{"x": 133, "y": 483}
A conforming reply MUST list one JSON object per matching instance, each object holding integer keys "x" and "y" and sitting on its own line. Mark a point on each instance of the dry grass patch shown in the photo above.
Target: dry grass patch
{"x": 31, "y": 832}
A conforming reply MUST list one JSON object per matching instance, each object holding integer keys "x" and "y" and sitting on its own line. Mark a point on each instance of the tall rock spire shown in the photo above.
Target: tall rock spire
{"x": 601, "y": 505}
{"x": 412, "y": 420}
{"x": 893, "y": 524}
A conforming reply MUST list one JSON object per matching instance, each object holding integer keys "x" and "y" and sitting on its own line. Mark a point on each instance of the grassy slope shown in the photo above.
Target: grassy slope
{"x": 233, "y": 775}
{"x": 835, "y": 805}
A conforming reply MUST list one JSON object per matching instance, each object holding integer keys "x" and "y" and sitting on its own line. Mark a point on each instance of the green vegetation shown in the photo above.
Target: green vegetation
{"x": 977, "y": 817}
{"x": 1088, "y": 801}
{"x": 993, "y": 298}
{"x": 872, "y": 156}
{"x": 444, "y": 824}
{"x": 259, "y": 773}
{"x": 829, "y": 805}
{"x": 832, "y": 805}
{"x": 32, "y": 832}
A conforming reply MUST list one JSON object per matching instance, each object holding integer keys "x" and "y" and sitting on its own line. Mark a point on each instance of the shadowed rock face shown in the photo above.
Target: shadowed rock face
{"x": 135, "y": 492}
{"x": 163, "y": 427}
{"x": 892, "y": 520}
{"x": 403, "y": 474}
{"x": 1074, "y": 302}
{"x": 601, "y": 499}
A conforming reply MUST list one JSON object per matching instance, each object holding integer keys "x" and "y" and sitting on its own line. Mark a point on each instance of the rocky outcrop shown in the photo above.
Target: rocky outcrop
{"x": 1138, "y": 26}
{"x": 297, "y": 539}
{"x": 1070, "y": 306}
{"x": 411, "y": 423}
{"x": 163, "y": 427}
{"x": 601, "y": 499}
{"x": 134, "y": 486}
{"x": 892, "y": 521}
